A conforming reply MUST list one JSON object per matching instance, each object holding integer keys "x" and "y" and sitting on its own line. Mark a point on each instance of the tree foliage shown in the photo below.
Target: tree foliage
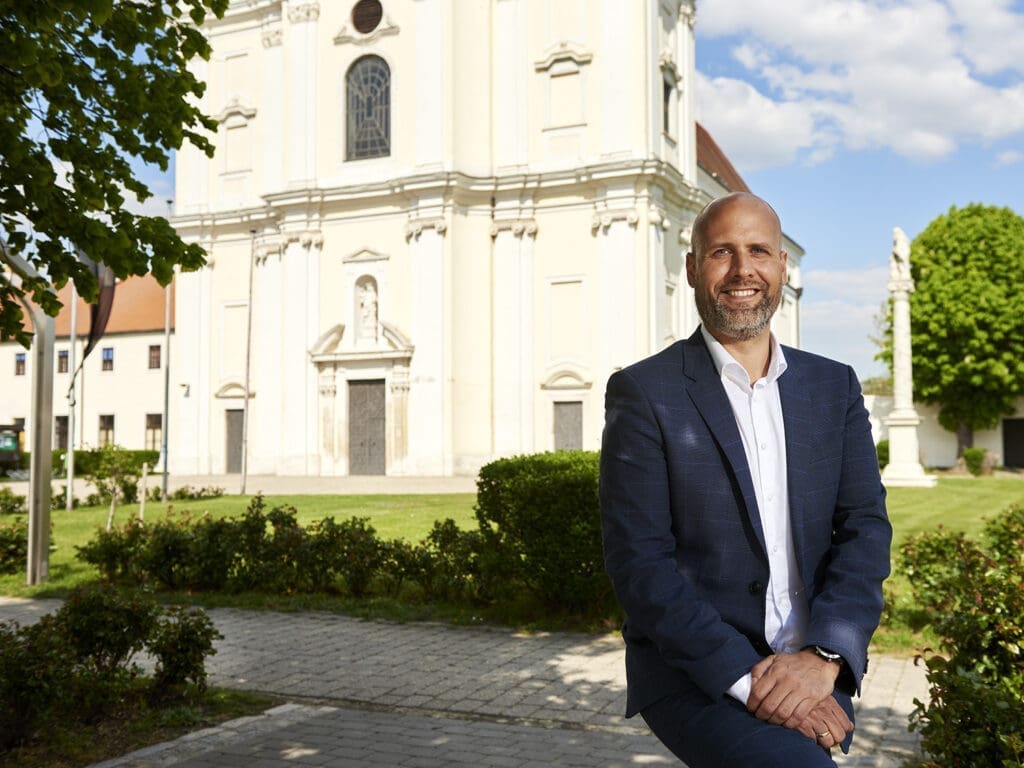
{"x": 86, "y": 88}
{"x": 967, "y": 315}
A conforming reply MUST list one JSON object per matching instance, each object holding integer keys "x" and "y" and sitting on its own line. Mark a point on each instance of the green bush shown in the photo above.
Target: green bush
{"x": 974, "y": 458}
{"x": 13, "y": 545}
{"x": 12, "y": 503}
{"x": 973, "y": 593}
{"x": 117, "y": 553}
{"x": 35, "y": 678}
{"x": 180, "y": 642}
{"x": 106, "y": 627}
{"x": 540, "y": 519}
{"x": 883, "y": 453}
{"x": 75, "y": 665}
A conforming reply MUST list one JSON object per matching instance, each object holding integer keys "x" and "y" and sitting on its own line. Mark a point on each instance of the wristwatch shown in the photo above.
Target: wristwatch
{"x": 827, "y": 655}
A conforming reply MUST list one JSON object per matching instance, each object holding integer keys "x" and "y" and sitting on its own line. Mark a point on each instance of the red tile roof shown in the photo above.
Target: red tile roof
{"x": 712, "y": 159}
{"x": 138, "y": 307}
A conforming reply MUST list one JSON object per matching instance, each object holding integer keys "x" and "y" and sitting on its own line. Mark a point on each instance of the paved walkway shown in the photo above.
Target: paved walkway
{"x": 421, "y": 695}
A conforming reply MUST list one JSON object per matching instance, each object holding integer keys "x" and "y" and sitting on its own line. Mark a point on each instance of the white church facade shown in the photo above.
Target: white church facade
{"x": 457, "y": 219}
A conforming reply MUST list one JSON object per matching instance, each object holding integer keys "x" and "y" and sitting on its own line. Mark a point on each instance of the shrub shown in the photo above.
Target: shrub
{"x": 973, "y": 593}
{"x": 883, "y": 453}
{"x": 12, "y": 503}
{"x": 974, "y": 458}
{"x": 180, "y": 642}
{"x": 454, "y": 557}
{"x": 539, "y": 515}
{"x": 117, "y": 553}
{"x": 75, "y": 664}
{"x": 105, "y": 626}
{"x": 13, "y": 545}
{"x": 360, "y": 554}
{"x": 35, "y": 678}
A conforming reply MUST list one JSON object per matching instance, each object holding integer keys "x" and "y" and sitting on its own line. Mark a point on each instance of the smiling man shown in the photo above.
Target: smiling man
{"x": 744, "y": 519}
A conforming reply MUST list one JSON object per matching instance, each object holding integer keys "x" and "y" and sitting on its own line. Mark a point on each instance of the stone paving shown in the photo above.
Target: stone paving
{"x": 424, "y": 694}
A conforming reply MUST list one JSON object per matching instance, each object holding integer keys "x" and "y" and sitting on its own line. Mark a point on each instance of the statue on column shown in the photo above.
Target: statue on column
{"x": 899, "y": 260}
{"x": 904, "y": 468}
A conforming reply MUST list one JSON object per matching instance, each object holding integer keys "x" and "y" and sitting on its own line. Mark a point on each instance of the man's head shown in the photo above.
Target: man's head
{"x": 737, "y": 266}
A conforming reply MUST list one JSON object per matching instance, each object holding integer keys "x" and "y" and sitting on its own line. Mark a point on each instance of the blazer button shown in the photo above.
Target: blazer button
{"x": 756, "y": 587}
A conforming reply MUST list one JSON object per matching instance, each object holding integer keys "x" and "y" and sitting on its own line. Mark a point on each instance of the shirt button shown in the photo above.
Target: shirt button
{"x": 764, "y": 446}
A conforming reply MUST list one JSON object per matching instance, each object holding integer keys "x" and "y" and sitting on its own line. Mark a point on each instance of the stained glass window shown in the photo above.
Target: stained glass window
{"x": 368, "y": 86}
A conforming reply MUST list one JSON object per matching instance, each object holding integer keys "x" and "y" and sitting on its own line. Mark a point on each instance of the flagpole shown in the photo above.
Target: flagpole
{"x": 248, "y": 352}
{"x": 167, "y": 375}
{"x": 69, "y": 501}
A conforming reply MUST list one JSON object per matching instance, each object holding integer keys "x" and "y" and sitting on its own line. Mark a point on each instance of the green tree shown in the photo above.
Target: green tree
{"x": 86, "y": 88}
{"x": 967, "y": 317}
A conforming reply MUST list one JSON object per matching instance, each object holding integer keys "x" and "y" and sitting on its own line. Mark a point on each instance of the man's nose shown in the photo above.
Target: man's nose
{"x": 742, "y": 263}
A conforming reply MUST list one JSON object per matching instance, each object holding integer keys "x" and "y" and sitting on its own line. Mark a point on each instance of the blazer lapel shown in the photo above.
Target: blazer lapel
{"x": 708, "y": 396}
{"x": 795, "y": 394}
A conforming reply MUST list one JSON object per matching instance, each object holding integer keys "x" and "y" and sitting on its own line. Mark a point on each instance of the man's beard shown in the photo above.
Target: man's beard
{"x": 738, "y": 324}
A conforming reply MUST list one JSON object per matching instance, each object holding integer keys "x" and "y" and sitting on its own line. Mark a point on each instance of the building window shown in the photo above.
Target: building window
{"x": 60, "y": 433}
{"x": 108, "y": 358}
{"x": 154, "y": 430}
{"x": 666, "y": 107}
{"x": 19, "y": 363}
{"x": 366, "y": 15}
{"x": 154, "y": 356}
{"x": 62, "y": 361}
{"x": 368, "y": 100}
{"x": 106, "y": 436}
{"x": 569, "y": 426}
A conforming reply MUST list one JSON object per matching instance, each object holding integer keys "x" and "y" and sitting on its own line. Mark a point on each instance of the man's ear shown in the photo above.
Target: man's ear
{"x": 691, "y": 269}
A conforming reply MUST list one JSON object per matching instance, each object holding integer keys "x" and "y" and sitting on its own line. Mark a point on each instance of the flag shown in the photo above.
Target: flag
{"x": 99, "y": 311}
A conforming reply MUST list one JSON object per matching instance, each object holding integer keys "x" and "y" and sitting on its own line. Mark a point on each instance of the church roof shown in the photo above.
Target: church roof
{"x": 712, "y": 159}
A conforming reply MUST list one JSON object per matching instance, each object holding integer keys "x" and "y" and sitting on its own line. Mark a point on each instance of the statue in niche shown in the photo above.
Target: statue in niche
{"x": 899, "y": 261}
{"x": 367, "y": 293}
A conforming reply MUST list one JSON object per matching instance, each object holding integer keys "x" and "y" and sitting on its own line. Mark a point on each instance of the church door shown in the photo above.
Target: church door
{"x": 366, "y": 428}
{"x": 233, "y": 448}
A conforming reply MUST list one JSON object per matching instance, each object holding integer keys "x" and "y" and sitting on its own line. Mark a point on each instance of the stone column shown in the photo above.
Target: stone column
{"x": 904, "y": 468}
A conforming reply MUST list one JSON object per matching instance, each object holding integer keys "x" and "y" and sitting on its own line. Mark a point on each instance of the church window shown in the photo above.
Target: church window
{"x": 366, "y": 15}
{"x": 368, "y": 90}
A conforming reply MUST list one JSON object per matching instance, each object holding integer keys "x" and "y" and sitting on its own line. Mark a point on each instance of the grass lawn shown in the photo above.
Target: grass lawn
{"x": 957, "y": 503}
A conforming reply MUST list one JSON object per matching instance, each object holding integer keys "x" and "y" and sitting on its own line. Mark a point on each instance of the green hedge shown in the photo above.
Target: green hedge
{"x": 540, "y": 519}
{"x": 86, "y": 461}
{"x": 973, "y": 594}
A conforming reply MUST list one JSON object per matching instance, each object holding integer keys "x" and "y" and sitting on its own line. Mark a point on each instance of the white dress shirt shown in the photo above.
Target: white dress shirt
{"x": 758, "y": 411}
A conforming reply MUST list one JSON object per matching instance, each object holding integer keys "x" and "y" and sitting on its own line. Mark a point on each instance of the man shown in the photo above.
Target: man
{"x": 744, "y": 519}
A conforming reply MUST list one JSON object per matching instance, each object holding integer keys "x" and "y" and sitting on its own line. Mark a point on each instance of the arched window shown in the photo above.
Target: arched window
{"x": 368, "y": 97}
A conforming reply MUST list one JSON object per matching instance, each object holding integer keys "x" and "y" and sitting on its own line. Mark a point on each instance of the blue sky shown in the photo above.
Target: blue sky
{"x": 855, "y": 116}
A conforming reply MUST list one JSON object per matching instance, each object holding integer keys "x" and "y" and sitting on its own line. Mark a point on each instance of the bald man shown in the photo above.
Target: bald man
{"x": 744, "y": 520}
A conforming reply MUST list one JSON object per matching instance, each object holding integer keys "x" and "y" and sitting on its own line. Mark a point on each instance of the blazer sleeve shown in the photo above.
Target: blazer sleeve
{"x": 847, "y": 601}
{"x": 660, "y": 601}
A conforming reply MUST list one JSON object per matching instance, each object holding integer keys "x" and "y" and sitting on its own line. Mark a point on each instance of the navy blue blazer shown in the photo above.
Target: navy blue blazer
{"x": 683, "y": 540}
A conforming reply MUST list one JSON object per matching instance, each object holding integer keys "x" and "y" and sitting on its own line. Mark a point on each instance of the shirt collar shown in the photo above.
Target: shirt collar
{"x": 726, "y": 364}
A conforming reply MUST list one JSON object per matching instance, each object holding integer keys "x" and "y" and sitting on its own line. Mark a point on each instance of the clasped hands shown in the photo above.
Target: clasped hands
{"x": 795, "y": 690}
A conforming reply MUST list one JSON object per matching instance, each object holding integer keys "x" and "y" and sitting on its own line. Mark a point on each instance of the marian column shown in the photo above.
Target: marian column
{"x": 904, "y": 468}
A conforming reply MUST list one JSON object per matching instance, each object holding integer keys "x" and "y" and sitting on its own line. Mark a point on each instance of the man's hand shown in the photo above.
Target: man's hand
{"x": 786, "y": 687}
{"x": 826, "y": 724}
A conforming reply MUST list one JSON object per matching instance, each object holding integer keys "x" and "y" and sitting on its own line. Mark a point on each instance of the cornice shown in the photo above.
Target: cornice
{"x": 563, "y": 51}
{"x": 348, "y": 36}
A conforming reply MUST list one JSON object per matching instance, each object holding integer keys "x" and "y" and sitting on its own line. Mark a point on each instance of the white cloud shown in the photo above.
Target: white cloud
{"x": 867, "y": 287}
{"x": 841, "y": 330}
{"x": 1010, "y": 157}
{"x": 918, "y": 77}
